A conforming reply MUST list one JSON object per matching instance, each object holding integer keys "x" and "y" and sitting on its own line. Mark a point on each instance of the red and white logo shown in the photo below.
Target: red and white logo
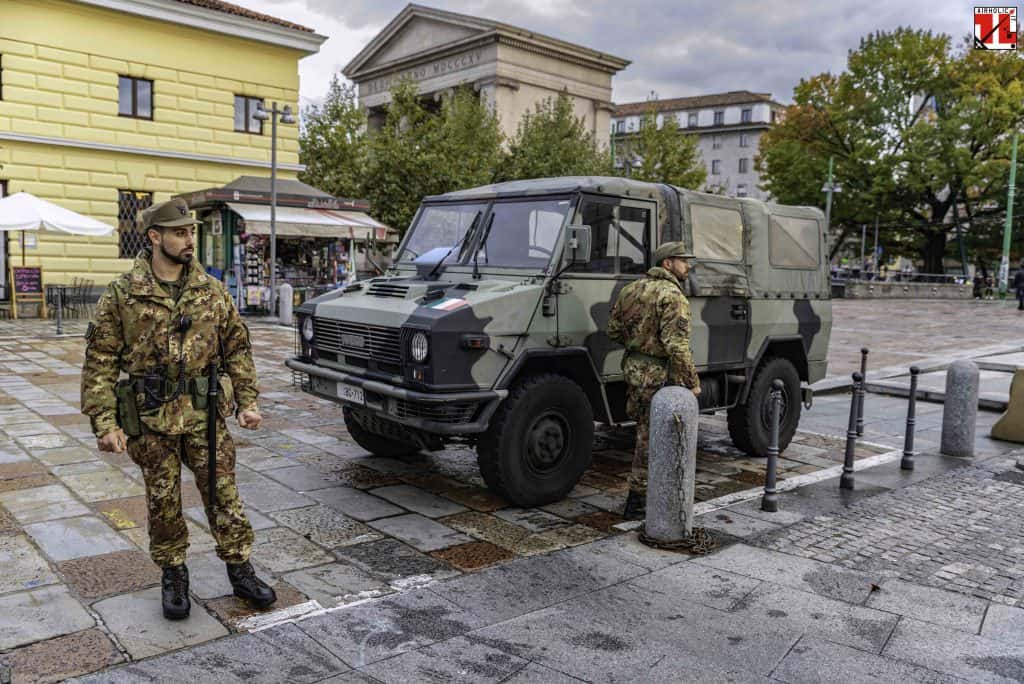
{"x": 995, "y": 28}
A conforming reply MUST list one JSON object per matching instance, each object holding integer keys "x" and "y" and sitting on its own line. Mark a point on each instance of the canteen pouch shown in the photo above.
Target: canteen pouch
{"x": 127, "y": 408}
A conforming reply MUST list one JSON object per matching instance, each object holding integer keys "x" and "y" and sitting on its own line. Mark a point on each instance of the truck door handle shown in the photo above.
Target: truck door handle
{"x": 739, "y": 312}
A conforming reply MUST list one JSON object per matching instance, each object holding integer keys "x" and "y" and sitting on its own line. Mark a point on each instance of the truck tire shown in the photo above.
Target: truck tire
{"x": 749, "y": 423}
{"x": 377, "y": 445}
{"x": 539, "y": 441}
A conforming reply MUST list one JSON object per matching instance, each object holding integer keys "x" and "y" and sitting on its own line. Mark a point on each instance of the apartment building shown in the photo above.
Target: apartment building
{"x": 107, "y": 106}
{"x": 729, "y": 126}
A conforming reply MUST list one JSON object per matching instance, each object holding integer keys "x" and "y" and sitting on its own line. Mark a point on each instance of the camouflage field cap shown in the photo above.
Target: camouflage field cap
{"x": 671, "y": 249}
{"x": 171, "y": 214}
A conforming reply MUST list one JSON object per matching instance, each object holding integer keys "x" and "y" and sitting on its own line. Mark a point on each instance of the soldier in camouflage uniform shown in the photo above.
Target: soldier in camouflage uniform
{"x": 651, "y": 319}
{"x": 166, "y": 320}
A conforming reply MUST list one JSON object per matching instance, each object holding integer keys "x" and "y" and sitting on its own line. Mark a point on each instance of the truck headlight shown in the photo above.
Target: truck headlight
{"x": 307, "y": 329}
{"x": 419, "y": 346}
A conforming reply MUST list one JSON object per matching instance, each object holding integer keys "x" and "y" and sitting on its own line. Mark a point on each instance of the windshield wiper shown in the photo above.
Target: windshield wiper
{"x": 481, "y": 245}
{"x": 469, "y": 231}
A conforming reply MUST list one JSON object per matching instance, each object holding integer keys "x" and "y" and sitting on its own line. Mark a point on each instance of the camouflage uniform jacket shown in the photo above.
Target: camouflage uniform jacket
{"x": 651, "y": 319}
{"x": 135, "y": 330}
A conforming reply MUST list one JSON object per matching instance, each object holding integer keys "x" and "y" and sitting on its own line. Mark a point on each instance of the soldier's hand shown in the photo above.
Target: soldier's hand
{"x": 114, "y": 441}
{"x": 696, "y": 392}
{"x": 250, "y": 420}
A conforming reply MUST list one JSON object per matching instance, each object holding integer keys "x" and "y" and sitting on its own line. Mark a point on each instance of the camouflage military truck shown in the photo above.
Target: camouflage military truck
{"x": 489, "y": 327}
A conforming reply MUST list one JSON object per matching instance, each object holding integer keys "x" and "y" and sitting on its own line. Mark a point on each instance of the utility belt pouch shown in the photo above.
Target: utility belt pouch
{"x": 200, "y": 386}
{"x": 154, "y": 387}
{"x": 127, "y": 409}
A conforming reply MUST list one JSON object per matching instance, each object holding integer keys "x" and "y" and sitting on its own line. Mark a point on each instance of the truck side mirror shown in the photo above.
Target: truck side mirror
{"x": 578, "y": 244}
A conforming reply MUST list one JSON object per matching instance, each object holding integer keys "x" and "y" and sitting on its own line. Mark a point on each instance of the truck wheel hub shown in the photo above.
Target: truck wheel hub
{"x": 546, "y": 442}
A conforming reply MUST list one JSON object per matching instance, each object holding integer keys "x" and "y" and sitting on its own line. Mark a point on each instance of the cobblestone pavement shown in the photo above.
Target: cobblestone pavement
{"x": 962, "y": 531}
{"x": 333, "y": 524}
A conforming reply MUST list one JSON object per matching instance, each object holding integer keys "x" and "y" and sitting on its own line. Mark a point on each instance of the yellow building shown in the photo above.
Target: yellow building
{"x": 109, "y": 105}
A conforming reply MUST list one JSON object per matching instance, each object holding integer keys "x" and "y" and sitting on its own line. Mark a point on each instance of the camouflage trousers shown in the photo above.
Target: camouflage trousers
{"x": 638, "y": 407}
{"x": 160, "y": 457}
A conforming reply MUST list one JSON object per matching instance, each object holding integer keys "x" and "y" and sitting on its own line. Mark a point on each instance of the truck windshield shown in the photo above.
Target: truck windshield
{"x": 519, "y": 234}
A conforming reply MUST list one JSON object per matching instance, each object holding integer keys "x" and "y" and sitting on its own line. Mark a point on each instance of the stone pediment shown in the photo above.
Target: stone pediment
{"x": 418, "y": 36}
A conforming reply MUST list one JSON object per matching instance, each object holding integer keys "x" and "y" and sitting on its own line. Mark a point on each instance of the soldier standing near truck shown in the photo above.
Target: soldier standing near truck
{"x": 163, "y": 323}
{"x": 651, "y": 319}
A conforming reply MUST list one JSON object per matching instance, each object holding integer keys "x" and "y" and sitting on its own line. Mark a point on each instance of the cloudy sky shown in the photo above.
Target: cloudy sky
{"x": 676, "y": 48}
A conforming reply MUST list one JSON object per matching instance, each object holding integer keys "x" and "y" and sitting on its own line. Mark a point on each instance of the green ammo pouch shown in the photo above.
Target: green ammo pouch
{"x": 199, "y": 386}
{"x": 127, "y": 409}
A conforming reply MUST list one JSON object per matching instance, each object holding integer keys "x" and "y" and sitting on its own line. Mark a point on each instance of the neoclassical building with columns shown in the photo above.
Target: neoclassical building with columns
{"x": 513, "y": 69}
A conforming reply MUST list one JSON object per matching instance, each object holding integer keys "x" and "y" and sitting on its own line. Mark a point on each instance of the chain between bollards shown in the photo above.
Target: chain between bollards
{"x": 846, "y": 480}
{"x": 860, "y": 402}
{"x": 770, "y": 500}
{"x": 907, "y": 462}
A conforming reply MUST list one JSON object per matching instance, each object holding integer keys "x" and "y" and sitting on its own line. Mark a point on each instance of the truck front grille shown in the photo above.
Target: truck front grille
{"x": 371, "y": 342}
{"x": 454, "y": 413}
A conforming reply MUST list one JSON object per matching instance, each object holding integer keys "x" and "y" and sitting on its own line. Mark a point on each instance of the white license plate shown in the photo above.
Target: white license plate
{"x": 340, "y": 390}
{"x": 350, "y": 393}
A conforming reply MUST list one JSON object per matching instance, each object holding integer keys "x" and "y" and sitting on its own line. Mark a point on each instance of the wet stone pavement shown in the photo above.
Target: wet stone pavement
{"x": 334, "y": 525}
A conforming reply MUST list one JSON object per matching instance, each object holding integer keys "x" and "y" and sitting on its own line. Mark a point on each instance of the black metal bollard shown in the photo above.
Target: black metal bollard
{"x": 860, "y": 402}
{"x": 60, "y": 311}
{"x": 907, "y": 462}
{"x": 846, "y": 480}
{"x": 770, "y": 500}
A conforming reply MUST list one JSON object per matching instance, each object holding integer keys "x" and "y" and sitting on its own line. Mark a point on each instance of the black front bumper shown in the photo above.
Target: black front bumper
{"x": 443, "y": 413}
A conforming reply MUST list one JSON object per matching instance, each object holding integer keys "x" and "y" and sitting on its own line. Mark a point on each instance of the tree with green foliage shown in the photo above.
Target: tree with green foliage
{"x": 332, "y": 143}
{"x": 914, "y": 126}
{"x": 552, "y": 141}
{"x": 662, "y": 154}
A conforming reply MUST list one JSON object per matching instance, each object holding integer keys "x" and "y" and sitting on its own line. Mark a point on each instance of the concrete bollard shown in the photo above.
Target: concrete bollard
{"x": 284, "y": 304}
{"x": 960, "y": 412}
{"x": 672, "y": 464}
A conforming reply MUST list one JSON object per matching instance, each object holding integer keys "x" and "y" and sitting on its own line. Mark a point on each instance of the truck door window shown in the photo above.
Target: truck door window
{"x": 633, "y": 231}
{"x": 599, "y": 216}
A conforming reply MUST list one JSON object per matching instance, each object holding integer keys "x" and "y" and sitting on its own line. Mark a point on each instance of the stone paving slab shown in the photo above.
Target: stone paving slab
{"x": 798, "y": 573}
{"x": 474, "y": 555}
{"x": 390, "y": 559}
{"x": 488, "y": 528}
{"x": 23, "y": 566}
{"x": 137, "y": 620}
{"x": 458, "y": 659}
{"x": 41, "y": 503}
{"x": 124, "y": 514}
{"x": 735, "y": 524}
{"x": 38, "y": 614}
{"x": 356, "y": 504}
{"x": 950, "y": 651}
{"x": 419, "y": 532}
{"x": 531, "y": 519}
{"x": 325, "y": 526}
{"x": 384, "y": 628}
{"x": 815, "y": 660}
{"x": 63, "y": 657}
{"x": 1003, "y": 623}
{"x": 418, "y": 501}
{"x": 268, "y": 496}
{"x": 59, "y": 457}
{"x": 336, "y": 584}
{"x": 280, "y": 550}
{"x": 231, "y": 610}
{"x": 119, "y": 572}
{"x": 301, "y": 478}
{"x": 69, "y": 538}
{"x": 102, "y": 484}
{"x": 673, "y": 587}
{"x": 936, "y": 606}
{"x": 279, "y": 654}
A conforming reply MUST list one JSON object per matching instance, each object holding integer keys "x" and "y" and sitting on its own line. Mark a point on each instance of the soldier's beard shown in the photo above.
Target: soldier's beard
{"x": 179, "y": 258}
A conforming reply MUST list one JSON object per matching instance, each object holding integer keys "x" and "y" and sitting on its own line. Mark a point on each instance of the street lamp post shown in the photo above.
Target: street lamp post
{"x": 286, "y": 117}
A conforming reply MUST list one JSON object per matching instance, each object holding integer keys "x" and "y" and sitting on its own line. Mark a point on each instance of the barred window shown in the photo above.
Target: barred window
{"x": 129, "y": 204}
{"x": 720, "y": 117}
{"x": 691, "y": 120}
{"x": 745, "y": 115}
{"x": 716, "y": 142}
{"x": 744, "y": 140}
{"x": 744, "y": 165}
{"x": 716, "y": 167}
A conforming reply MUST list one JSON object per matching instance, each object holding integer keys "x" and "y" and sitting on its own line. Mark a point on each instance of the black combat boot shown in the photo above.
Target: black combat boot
{"x": 250, "y": 587}
{"x": 636, "y": 506}
{"x": 174, "y": 587}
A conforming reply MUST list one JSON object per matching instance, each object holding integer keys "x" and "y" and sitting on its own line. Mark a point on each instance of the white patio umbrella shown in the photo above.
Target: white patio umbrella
{"x": 22, "y": 211}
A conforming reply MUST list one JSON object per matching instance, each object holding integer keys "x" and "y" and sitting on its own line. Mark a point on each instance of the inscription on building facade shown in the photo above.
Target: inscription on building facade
{"x": 416, "y": 74}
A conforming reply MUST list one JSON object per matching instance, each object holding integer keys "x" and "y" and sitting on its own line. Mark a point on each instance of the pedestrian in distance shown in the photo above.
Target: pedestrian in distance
{"x": 651, "y": 319}
{"x": 163, "y": 323}
{"x": 1018, "y": 285}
